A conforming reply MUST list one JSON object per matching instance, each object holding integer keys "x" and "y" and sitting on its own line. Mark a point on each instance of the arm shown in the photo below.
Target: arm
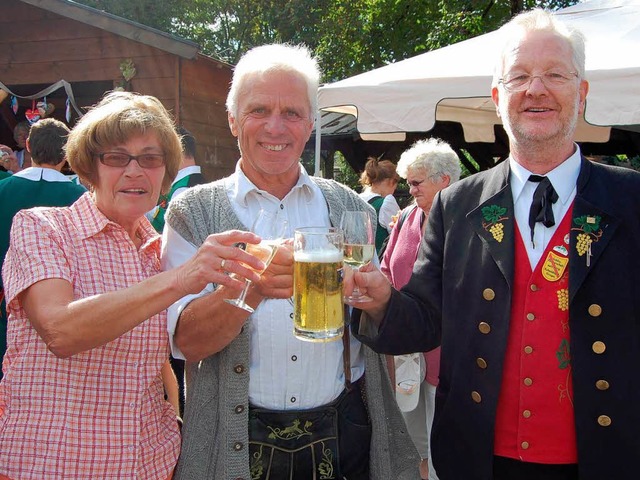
{"x": 208, "y": 324}
{"x": 170, "y": 383}
{"x": 69, "y": 326}
{"x": 388, "y": 209}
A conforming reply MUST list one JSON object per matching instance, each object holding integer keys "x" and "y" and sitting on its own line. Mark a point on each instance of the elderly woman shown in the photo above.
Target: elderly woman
{"x": 380, "y": 180}
{"x": 82, "y": 395}
{"x": 428, "y": 166}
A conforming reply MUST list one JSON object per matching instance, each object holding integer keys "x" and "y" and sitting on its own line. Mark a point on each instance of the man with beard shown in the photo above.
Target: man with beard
{"x": 528, "y": 278}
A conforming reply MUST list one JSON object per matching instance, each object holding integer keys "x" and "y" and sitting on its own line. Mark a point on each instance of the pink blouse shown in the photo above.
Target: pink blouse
{"x": 99, "y": 413}
{"x": 397, "y": 265}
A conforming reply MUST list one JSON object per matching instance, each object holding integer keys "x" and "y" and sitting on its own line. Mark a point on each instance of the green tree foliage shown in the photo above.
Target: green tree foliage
{"x": 348, "y": 36}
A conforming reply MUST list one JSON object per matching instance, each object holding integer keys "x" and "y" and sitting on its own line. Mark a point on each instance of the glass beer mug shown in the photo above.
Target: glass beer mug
{"x": 317, "y": 284}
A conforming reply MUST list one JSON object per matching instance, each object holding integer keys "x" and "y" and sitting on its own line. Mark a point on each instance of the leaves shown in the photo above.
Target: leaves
{"x": 588, "y": 223}
{"x": 493, "y": 213}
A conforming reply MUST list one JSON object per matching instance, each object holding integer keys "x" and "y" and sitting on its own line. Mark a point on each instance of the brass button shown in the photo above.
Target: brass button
{"x": 595, "y": 310}
{"x": 488, "y": 294}
{"x": 526, "y": 413}
{"x": 238, "y": 368}
{"x": 476, "y": 397}
{"x": 524, "y": 445}
{"x": 528, "y": 349}
{"x": 531, "y": 316}
{"x": 604, "y": 420}
{"x": 484, "y": 327}
{"x": 533, "y": 287}
{"x": 238, "y": 446}
{"x": 602, "y": 385}
{"x": 481, "y": 362}
{"x": 528, "y": 382}
{"x": 599, "y": 347}
{"x": 239, "y": 409}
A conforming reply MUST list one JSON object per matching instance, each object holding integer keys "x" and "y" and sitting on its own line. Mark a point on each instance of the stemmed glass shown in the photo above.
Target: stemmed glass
{"x": 359, "y": 245}
{"x": 271, "y": 228}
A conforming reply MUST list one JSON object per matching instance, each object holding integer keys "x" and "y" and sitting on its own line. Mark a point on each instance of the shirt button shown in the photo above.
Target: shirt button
{"x": 484, "y": 327}
{"x": 526, "y": 413}
{"x": 131, "y": 447}
{"x": 281, "y": 207}
{"x": 531, "y": 316}
{"x": 294, "y": 357}
{"x": 528, "y": 349}
{"x": 135, "y": 364}
{"x": 476, "y": 397}
{"x": 602, "y": 385}
{"x": 595, "y": 310}
{"x": 239, "y": 409}
{"x": 524, "y": 445}
{"x": 291, "y": 315}
{"x": 533, "y": 287}
{"x": 293, "y": 399}
{"x": 238, "y": 446}
{"x": 238, "y": 368}
{"x": 482, "y": 363}
{"x": 132, "y": 404}
{"x": 528, "y": 382}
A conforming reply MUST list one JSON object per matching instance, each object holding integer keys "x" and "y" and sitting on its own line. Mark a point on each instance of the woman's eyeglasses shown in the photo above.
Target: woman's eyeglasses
{"x": 145, "y": 160}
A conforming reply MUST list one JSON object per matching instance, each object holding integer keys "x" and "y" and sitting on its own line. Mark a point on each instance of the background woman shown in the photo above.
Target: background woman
{"x": 82, "y": 394}
{"x": 380, "y": 180}
{"x": 428, "y": 166}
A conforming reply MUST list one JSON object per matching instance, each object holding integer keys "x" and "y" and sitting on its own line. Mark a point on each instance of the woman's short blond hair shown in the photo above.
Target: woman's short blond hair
{"x": 117, "y": 118}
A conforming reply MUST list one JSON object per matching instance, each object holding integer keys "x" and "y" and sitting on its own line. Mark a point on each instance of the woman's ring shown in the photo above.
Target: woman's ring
{"x": 222, "y": 263}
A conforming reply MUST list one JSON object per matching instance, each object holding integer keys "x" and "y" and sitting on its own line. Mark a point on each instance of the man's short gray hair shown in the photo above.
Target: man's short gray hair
{"x": 276, "y": 58}
{"x": 432, "y": 156}
{"x": 540, "y": 20}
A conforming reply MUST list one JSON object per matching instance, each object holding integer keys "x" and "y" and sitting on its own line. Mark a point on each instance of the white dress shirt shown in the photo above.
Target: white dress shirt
{"x": 36, "y": 174}
{"x": 563, "y": 178}
{"x": 285, "y": 373}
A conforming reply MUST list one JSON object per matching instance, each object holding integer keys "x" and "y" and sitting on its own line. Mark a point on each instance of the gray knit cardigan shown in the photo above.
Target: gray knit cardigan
{"x": 215, "y": 432}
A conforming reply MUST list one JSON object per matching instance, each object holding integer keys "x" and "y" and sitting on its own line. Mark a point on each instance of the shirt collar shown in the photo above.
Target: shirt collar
{"x": 90, "y": 221}
{"x": 244, "y": 187}
{"x": 37, "y": 174}
{"x": 183, "y": 172}
{"x": 563, "y": 177}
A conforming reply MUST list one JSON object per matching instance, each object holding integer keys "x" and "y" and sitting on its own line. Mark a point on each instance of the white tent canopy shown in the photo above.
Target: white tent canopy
{"x": 454, "y": 83}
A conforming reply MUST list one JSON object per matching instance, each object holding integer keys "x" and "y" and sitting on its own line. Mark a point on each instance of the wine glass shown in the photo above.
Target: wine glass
{"x": 359, "y": 245}
{"x": 271, "y": 227}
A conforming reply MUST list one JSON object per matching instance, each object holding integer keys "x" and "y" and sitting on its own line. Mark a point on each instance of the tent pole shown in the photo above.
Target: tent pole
{"x": 317, "y": 149}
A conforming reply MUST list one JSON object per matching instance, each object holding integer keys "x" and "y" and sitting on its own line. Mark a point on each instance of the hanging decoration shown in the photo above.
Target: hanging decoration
{"x": 32, "y": 115}
{"x": 47, "y": 108}
{"x": 128, "y": 71}
{"x": 67, "y": 111}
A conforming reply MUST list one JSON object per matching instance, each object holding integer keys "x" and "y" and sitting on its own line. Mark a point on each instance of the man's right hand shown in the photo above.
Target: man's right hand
{"x": 372, "y": 283}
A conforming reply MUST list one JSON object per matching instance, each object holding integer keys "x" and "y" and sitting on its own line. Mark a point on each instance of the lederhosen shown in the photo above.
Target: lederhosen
{"x": 323, "y": 443}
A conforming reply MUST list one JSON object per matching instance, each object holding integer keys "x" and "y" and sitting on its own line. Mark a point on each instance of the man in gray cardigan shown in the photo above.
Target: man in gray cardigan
{"x": 236, "y": 361}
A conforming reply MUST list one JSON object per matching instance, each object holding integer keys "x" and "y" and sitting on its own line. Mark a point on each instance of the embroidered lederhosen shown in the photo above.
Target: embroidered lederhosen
{"x": 325, "y": 443}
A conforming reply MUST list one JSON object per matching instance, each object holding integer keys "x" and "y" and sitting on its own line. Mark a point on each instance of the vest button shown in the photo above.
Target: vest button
{"x": 488, "y": 294}
{"x": 533, "y": 287}
{"x": 524, "y": 445}
{"x": 476, "y": 397}
{"x": 526, "y": 413}
{"x": 595, "y": 310}
{"x": 528, "y": 382}
{"x": 602, "y": 385}
{"x": 531, "y": 317}
{"x": 528, "y": 349}
{"x": 237, "y": 446}
{"x": 599, "y": 347}
{"x": 238, "y": 368}
{"x": 604, "y": 420}
{"x": 484, "y": 327}
{"x": 239, "y": 409}
{"x": 481, "y": 362}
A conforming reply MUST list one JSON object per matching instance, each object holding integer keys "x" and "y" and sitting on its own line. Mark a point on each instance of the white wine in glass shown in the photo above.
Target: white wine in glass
{"x": 271, "y": 227}
{"x": 359, "y": 245}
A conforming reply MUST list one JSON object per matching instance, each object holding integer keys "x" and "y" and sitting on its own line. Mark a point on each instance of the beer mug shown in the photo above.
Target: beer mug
{"x": 317, "y": 284}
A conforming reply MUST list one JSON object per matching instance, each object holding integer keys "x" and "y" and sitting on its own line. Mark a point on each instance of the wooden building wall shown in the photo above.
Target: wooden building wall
{"x": 39, "y": 47}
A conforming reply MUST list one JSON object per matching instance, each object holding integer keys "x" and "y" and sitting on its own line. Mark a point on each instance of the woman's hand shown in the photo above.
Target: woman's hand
{"x": 219, "y": 260}
{"x": 372, "y": 283}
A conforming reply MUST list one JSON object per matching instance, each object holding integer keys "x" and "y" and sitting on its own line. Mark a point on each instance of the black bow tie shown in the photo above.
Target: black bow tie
{"x": 541, "y": 206}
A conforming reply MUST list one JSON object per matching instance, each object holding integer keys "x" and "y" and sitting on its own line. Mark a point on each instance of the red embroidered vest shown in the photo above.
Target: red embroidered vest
{"x": 535, "y": 418}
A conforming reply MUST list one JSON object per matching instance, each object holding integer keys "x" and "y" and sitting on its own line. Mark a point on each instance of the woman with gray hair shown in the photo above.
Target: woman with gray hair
{"x": 428, "y": 166}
